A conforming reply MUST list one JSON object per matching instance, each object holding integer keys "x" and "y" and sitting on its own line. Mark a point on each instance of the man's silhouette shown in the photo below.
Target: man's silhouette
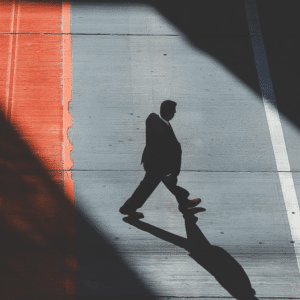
{"x": 162, "y": 161}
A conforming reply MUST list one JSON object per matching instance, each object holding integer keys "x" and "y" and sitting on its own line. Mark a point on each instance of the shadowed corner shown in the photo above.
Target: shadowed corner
{"x": 101, "y": 271}
{"x": 38, "y": 251}
{"x": 219, "y": 263}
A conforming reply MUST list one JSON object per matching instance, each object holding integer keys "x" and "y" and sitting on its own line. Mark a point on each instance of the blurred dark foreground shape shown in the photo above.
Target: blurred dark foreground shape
{"x": 219, "y": 263}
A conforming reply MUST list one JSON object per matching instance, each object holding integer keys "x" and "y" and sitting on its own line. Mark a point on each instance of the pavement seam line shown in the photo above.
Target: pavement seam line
{"x": 82, "y": 33}
{"x": 194, "y": 171}
{"x": 274, "y": 124}
{"x": 140, "y": 34}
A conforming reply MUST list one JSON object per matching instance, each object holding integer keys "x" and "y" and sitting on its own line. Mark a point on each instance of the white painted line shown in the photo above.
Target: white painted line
{"x": 273, "y": 119}
{"x": 9, "y": 59}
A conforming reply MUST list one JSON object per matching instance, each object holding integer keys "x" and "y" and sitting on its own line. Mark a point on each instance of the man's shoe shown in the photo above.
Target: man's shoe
{"x": 189, "y": 204}
{"x": 131, "y": 213}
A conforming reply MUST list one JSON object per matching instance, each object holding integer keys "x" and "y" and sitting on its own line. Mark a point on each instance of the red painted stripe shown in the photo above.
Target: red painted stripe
{"x": 6, "y": 11}
{"x": 41, "y": 16}
{"x": 67, "y": 146}
{"x": 67, "y": 96}
{"x": 35, "y": 90}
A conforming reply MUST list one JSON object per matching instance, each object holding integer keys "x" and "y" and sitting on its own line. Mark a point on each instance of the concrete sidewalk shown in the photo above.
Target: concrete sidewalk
{"x": 126, "y": 60}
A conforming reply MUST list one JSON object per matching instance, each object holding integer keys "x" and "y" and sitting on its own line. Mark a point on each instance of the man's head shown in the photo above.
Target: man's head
{"x": 168, "y": 109}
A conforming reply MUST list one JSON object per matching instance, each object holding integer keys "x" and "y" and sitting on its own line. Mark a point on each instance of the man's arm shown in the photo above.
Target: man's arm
{"x": 162, "y": 145}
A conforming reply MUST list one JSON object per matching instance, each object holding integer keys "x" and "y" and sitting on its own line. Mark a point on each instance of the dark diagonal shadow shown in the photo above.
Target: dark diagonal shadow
{"x": 101, "y": 272}
{"x": 39, "y": 258}
{"x": 219, "y": 263}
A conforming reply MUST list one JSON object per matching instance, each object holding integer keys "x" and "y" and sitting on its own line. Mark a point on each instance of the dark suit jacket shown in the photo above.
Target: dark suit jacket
{"x": 162, "y": 153}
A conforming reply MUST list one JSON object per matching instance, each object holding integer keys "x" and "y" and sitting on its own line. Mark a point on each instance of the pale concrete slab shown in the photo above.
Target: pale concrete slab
{"x": 244, "y": 216}
{"x": 119, "y": 78}
{"x": 118, "y": 81}
{"x": 119, "y": 18}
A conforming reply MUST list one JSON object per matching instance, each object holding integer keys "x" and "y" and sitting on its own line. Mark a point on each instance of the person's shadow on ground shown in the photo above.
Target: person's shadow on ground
{"x": 219, "y": 263}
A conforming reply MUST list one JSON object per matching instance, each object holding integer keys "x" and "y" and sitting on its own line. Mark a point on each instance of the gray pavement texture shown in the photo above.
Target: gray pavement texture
{"x": 127, "y": 59}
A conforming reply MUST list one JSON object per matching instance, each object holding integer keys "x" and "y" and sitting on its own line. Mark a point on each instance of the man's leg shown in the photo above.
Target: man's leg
{"x": 180, "y": 193}
{"x": 143, "y": 191}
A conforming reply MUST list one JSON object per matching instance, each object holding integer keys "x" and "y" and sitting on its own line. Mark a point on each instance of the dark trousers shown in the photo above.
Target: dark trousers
{"x": 148, "y": 185}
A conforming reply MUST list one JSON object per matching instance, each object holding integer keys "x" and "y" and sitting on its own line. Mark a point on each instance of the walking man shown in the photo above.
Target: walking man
{"x": 162, "y": 161}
